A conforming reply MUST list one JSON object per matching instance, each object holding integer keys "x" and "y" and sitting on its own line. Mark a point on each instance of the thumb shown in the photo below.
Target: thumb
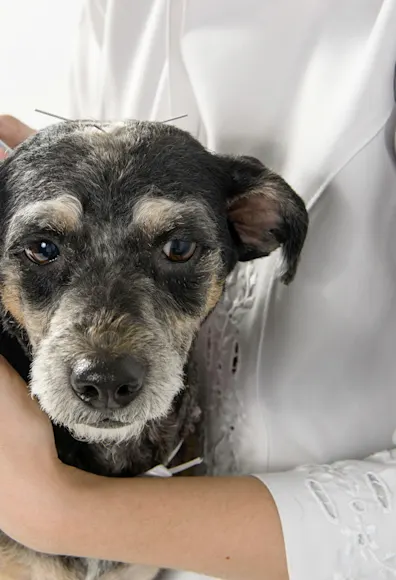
{"x": 13, "y": 132}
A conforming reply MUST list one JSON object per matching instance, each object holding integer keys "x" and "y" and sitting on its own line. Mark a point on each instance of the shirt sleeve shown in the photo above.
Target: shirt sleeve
{"x": 339, "y": 520}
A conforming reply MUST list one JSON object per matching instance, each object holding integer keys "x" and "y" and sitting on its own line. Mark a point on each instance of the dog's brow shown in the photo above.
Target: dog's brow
{"x": 155, "y": 214}
{"x": 62, "y": 214}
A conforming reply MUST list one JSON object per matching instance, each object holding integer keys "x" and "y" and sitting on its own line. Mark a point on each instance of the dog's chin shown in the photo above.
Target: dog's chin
{"x": 110, "y": 432}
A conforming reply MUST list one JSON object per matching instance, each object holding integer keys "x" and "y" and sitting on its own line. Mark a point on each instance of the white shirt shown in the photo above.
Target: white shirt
{"x": 304, "y": 374}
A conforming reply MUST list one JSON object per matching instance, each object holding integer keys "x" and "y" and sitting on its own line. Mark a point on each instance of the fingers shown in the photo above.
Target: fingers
{"x": 13, "y": 132}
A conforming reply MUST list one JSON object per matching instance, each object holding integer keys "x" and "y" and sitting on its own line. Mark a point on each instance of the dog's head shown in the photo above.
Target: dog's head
{"x": 114, "y": 247}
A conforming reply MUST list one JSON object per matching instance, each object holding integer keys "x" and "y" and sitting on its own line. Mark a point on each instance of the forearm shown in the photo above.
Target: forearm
{"x": 222, "y": 527}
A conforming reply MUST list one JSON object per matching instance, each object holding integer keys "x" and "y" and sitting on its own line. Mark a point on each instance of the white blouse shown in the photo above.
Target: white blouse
{"x": 303, "y": 375}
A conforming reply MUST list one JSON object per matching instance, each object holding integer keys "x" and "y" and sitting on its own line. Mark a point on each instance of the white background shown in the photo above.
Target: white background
{"x": 36, "y": 48}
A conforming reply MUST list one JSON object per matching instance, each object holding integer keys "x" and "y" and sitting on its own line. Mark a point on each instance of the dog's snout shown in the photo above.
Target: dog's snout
{"x": 107, "y": 384}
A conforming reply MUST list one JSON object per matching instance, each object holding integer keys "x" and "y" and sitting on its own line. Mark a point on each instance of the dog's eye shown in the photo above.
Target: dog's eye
{"x": 179, "y": 250}
{"x": 42, "y": 252}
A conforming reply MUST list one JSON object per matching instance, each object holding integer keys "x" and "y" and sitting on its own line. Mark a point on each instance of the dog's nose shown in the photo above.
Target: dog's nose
{"x": 108, "y": 384}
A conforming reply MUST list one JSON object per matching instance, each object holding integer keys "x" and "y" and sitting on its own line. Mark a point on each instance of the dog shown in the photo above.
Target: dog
{"x": 116, "y": 240}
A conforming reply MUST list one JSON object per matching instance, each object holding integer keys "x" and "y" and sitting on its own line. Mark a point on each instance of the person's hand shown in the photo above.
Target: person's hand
{"x": 31, "y": 476}
{"x": 13, "y": 132}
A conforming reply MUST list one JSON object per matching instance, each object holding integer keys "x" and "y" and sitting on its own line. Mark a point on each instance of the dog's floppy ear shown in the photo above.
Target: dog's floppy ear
{"x": 264, "y": 213}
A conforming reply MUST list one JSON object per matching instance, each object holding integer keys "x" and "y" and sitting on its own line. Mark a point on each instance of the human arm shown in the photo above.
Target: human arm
{"x": 221, "y": 527}
{"x": 227, "y": 527}
{"x": 336, "y": 519}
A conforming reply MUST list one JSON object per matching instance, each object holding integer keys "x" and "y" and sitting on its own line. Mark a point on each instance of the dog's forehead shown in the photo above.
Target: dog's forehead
{"x": 134, "y": 177}
{"x": 114, "y": 168}
{"x": 145, "y": 152}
